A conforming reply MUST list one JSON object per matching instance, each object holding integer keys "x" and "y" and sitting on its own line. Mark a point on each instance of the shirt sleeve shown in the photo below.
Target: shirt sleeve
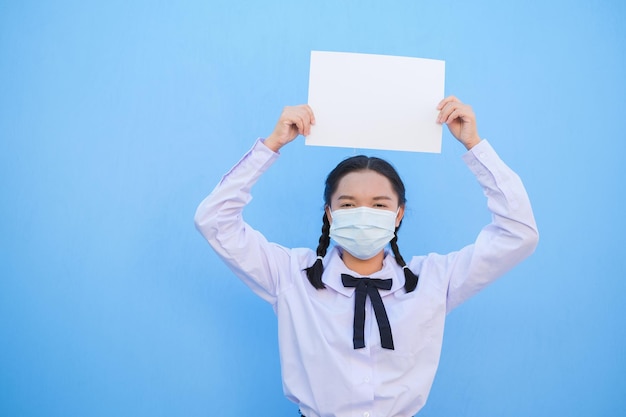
{"x": 257, "y": 262}
{"x": 510, "y": 237}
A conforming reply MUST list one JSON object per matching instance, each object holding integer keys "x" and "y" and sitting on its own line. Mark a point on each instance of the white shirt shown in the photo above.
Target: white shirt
{"x": 321, "y": 370}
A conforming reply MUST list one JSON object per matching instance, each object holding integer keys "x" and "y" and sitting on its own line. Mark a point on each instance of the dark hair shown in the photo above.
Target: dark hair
{"x": 359, "y": 163}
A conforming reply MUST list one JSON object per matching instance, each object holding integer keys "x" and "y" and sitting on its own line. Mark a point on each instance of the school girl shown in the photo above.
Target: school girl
{"x": 360, "y": 330}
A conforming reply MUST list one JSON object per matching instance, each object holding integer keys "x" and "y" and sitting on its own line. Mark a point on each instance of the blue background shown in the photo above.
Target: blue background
{"x": 117, "y": 118}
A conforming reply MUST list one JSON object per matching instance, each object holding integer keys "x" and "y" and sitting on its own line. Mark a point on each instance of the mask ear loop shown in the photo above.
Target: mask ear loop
{"x": 396, "y": 218}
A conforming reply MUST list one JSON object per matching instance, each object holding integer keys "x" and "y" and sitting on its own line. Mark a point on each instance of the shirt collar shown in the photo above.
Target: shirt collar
{"x": 334, "y": 267}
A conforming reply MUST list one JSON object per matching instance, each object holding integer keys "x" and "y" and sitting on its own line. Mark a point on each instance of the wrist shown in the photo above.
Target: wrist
{"x": 472, "y": 142}
{"x": 272, "y": 143}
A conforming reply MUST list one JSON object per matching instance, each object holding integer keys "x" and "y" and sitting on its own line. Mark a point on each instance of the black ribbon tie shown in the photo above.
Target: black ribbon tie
{"x": 365, "y": 287}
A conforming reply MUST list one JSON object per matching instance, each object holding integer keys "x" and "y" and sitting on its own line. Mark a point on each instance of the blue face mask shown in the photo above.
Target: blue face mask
{"x": 363, "y": 231}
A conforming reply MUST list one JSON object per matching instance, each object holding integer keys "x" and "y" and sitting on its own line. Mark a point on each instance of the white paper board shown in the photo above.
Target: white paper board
{"x": 375, "y": 101}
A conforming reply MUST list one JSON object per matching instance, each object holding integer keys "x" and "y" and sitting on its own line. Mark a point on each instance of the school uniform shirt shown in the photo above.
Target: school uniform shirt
{"x": 321, "y": 370}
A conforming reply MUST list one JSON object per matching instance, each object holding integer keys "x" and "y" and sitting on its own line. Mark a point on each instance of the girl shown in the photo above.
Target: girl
{"x": 360, "y": 330}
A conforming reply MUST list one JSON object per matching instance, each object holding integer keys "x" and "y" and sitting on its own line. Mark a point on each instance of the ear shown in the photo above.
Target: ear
{"x": 328, "y": 214}
{"x": 400, "y": 215}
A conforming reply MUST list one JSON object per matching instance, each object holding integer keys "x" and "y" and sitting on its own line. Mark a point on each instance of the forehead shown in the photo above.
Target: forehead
{"x": 364, "y": 183}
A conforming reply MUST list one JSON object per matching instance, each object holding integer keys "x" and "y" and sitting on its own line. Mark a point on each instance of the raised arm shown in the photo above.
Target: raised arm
{"x": 512, "y": 234}
{"x": 260, "y": 264}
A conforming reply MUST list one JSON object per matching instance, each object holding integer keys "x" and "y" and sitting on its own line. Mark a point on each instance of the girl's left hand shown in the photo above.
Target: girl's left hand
{"x": 460, "y": 120}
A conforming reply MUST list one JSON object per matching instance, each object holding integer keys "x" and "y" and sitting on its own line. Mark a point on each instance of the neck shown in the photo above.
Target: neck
{"x": 364, "y": 267}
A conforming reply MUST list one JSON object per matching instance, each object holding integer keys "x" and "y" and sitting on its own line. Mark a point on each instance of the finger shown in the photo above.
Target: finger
{"x": 307, "y": 118}
{"x": 452, "y": 116}
{"x": 310, "y": 112}
{"x": 463, "y": 113}
{"x": 447, "y": 100}
{"x": 459, "y": 109}
{"x": 446, "y": 110}
{"x": 306, "y": 126}
{"x": 299, "y": 125}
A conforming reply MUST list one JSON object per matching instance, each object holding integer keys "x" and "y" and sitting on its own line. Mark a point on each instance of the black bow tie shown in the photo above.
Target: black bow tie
{"x": 365, "y": 287}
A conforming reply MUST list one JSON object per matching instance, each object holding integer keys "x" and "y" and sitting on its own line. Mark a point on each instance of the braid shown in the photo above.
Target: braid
{"x": 315, "y": 271}
{"x": 410, "y": 279}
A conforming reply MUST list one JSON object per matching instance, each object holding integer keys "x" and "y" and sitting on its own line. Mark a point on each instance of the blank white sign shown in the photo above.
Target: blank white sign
{"x": 375, "y": 101}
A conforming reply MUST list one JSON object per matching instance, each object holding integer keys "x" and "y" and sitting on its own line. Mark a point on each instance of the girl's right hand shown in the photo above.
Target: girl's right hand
{"x": 294, "y": 121}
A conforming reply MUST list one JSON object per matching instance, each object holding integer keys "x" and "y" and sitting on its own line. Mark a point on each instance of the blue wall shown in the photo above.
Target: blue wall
{"x": 117, "y": 118}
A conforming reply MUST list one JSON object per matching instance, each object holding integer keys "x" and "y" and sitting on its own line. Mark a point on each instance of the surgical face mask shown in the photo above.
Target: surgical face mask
{"x": 363, "y": 231}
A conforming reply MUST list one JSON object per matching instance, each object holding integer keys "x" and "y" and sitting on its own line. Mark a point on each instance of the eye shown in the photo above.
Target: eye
{"x": 346, "y": 205}
{"x": 380, "y": 205}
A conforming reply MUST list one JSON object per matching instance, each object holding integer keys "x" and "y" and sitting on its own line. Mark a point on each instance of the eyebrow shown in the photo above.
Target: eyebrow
{"x": 349, "y": 197}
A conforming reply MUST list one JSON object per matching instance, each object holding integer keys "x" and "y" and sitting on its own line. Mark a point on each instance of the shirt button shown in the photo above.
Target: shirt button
{"x": 366, "y": 414}
{"x": 366, "y": 380}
